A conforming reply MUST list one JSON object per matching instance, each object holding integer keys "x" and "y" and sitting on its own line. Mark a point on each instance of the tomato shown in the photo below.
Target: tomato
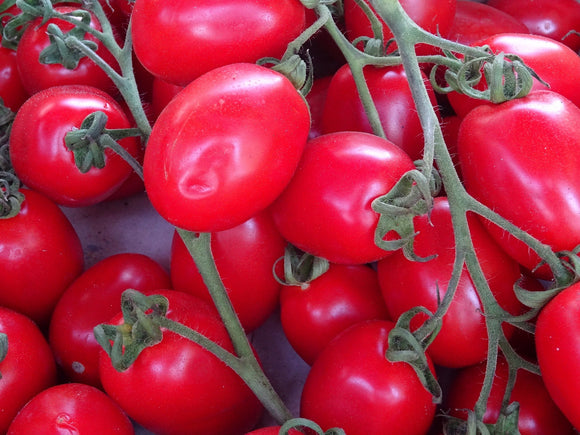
{"x": 182, "y": 388}
{"x": 245, "y": 256}
{"x": 317, "y": 311}
{"x": 94, "y": 298}
{"x": 353, "y": 386}
{"x": 316, "y": 99}
{"x": 551, "y": 18}
{"x": 211, "y": 34}
{"x": 37, "y": 76}
{"x": 343, "y": 110}
{"x": 462, "y": 340}
{"x": 28, "y": 367}
{"x": 12, "y": 91}
{"x": 161, "y": 94}
{"x": 40, "y": 255}
{"x": 272, "y": 430}
{"x": 558, "y": 350}
{"x": 326, "y": 209}
{"x": 225, "y": 147}
{"x": 71, "y": 408}
{"x": 526, "y": 171}
{"x": 41, "y": 158}
{"x": 538, "y": 414}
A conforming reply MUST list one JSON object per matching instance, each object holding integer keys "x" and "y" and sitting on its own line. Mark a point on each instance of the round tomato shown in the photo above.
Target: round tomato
{"x": 12, "y": 91}
{"x": 28, "y": 367}
{"x": 354, "y": 387}
{"x": 225, "y": 147}
{"x": 326, "y": 209}
{"x": 94, "y": 298}
{"x": 181, "y": 387}
{"x": 558, "y": 350}
{"x": 40, "y": 255}
{"x": 272, "y": 430}
{"x": 178, "y": 41}
{"x": 42, "y": 160}
{"x": 316, "y": 98}
{"x": 71, "y": 408}
{"x": 162, "y": 93}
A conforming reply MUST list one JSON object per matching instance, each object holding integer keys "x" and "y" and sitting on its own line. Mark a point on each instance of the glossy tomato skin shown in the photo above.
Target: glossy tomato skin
{"x": 225, "y": 147}
{"x": 12, "y": 91}
{"x": 321, "y": 213}
{"x": 162, "y": 93}
{"x": 41, "y": 158}
{"x": 526, "y": 170}
{"x": 314, "y": 313}
{"x": 28, "y": 367}
{"x": 462, "y": 340}
{"x": 40, "y": 255}
{"x": 343, "y": 110}
{"x": 94, "y": 298}
{"x": 538, "y": 414}
{"x": 353, "y": 386}
{"x": 71, "y": 408}
{"x": 558, "y": 350}
{"x": 245, "y": 256}
{"x": 182, "y": 388}
{"x": 231, "y": 31}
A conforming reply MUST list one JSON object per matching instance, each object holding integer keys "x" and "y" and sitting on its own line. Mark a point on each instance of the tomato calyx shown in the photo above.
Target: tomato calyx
{"x": 506, "y": 424}
{"x": 300, "y": 268}
{"x": 304, "y": 423}
{"x": 3, "y": 347}
{"x": 10, "y": 196}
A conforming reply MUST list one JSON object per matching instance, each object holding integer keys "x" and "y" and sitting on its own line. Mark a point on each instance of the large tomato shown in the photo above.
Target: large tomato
{"x": 225, "y": 147}
{"x": 521, "y": 159}
{"x": 180, "y": 40}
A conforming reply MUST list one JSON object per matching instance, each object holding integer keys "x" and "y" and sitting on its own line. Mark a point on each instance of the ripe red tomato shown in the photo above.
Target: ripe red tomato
{"x": 245, "y": 256}
{"x": 28, "y": 367}
{"x": 40, "y": 255}
{"x": 94, "y": 298}
{"x": 162, "y": 93}
{"x": 182, "y": 388}
{"x": 225, "y": 147}
{"x": 211, "y": 34}
{"x": 316, "y": 99}
{"x": 558, "y": 350}
{"x": 41, "y": 158}
{"x": 326, "y": 209}
{"x": 353, "y": 386}
{"x": 12, "y": 91}
{"x": 339, "y": 298}
{"x": 71, "y": 408}
{"x": 272, "y": 430}
{"x": 526, "y": 170}
{"x": 343, "y": 110}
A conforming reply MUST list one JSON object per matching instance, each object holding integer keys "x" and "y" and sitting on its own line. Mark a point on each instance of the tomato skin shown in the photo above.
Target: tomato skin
{"x": 526, "y": 170}
{"x": 316, "y": 99}
{"x": 272, "y": 430}
{"x": 316, "y": 312}
{"x": 94, "y": 298}
{"x": 353, "y": 386}
{"x": 321, "y": 213}
{"x": 162, "y": 93}
{"x": 182, "y": 388}
{"x": 41, "y": 158}
{"x": 245, "y": 256}
{"x": 558, "y": 350}
{"x": 12, "y": 91}
{"x": 232, "y": 32}
{"x": 40, "y": 255}
{"x": 235, "y": 128}
{"x": 28, "y": 367}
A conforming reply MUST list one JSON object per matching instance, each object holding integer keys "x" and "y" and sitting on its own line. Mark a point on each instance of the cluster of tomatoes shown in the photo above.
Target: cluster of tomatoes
{"x": 230, "y": 146}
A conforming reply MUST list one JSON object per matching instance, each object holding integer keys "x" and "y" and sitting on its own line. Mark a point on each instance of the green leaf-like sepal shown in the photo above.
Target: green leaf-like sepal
{"x": 3, "y": 347}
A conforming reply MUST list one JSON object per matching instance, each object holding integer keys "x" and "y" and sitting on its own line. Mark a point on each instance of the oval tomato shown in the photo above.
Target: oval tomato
{"x": 326, "y": 209}
{"x": 12, "y": 91}
{"x": 225, "y": 147}
{"x": 211, "y": 34}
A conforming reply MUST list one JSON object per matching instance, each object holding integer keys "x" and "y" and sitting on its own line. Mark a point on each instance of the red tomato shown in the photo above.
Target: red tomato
{"x": 272, "y": 430}
{"x": 343, "y": 110}
{"x": 405, "y": 284}
{"x": 71, "y": 408}
{"x": 182, "y": 388}
{"x": 558, "y": 350}
{"x": 28, "y": 367}
{"x": 245, "y": 256}
{"x": 40, "y": 255}
{"x": 162, "y": 93}
{"x": 94, "y": 298}
{"x": 353, "y": 386}
{"x": 316, "y": 98}
{"x": 41, "y": 158}
{"x": 37, "y": 76}
{"x": 538, "y": 413}
{"x": 329, "y": 304}
{"x": 526, "y": 170}
{"x": 211, "y": 34}
{"x": 225, "y": 147}
{"x": 12, "y": 91}
{"x": 326, "y": 209}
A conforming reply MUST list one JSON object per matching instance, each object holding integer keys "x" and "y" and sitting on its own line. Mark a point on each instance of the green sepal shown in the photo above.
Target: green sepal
{"x": 300, "y": 267}
{"x": 303, "y": 423}
{"x": 3, "y": 347}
